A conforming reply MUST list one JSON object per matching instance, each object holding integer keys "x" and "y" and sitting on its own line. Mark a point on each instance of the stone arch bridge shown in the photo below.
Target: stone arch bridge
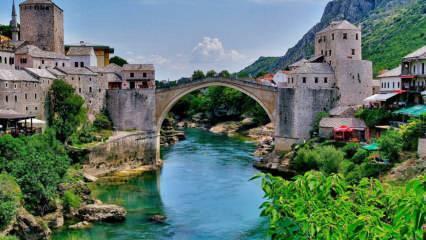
{"x": 291, "y": 110}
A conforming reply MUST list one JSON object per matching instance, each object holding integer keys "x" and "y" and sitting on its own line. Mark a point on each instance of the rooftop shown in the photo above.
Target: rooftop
{"x": 36, "y": 52}
{"x": 88, "y": 44}
{"x": 338, "y": 122}
{"x": 339, "y": 25}
{"x": 110, "y": 68}
{"x": 418, "y": 54}
{"x": 13, "y": 115}
{"x": 396, "y": 72}
{"x": 138, "y": 67}
{"x": 16, "y": 75}
{"x": 298, "y": 63}
{"x": 319, "y": 68}
{"x": 43, "y": 73}
{"x": 80, "y": 51}
{"x": 76, "y": 71}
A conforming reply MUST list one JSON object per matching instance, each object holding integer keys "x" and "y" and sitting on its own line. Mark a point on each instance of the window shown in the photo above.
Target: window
{"x": 11, "y": 61}
{"x": 304, "y": 79}
{"x": 316, "y": 80}
{"x": 26, "y": 108}
{"x": 353, "y": 52}
{"x": 325, "y": 80}
{"x": 144, "y": 75}
{"x": 81, "y": 64}
{"x": 5, "y": 60}
{"x": 79, "y": 90}
{"x": 72, "y": 78}
{"x": 63, "y": 64}
{"x": 423, "y": 68}
{"x": 414, "y": 69}
{"x": 76, "y": 64}
{"x": 357, "y": 36}
{"x": 16, "y": 86}
{"x": 6, "y": 85}
{"x": 56, "y": 64}
{"x": 16, "y": 98}
{"x": 332, "y": 36}
{"x": 90, "y": 89}
{"x": 329, "y": 53}
{"x": 35, "y": 96}
{"x": 23, "y": 61}
{"x": 100, "y": 90}
{"x": 399, "y": 84}
{"x": 393, "y": 84}
{"x": 322, "y": 52}
{"x": 90, "y": 79}
{"x": 132, "y": 75}
{"x": 42, "y": 61}
{"x": 345, "y": 36}
{"x": 7, "y": 98}
{"x": 26, "y": 96}
{"x": 1, "y": 60}
{"x": 36, "y": 108}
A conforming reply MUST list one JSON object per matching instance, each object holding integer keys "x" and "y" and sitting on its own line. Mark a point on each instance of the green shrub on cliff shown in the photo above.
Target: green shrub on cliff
{"x": 102, "y": 121}
{"x": 38, "y": 163}
{"x": 71, "y": 200}
{"x": 10, "y": 199}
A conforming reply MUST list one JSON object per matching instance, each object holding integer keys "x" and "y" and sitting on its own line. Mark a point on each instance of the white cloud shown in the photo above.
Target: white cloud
{"x": 151, "y": 59}
{"x": 211, "y": 50}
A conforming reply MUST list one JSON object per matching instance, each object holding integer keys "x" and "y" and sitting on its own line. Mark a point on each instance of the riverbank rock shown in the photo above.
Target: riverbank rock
{"x": 102, "y": 212}
{"x": 229, "y": 128}
{"x": 264, "y": 147}
{"x": 56, "y": 219}
{"x": 158, "y": 218}
{"x": 29, "y": 227}
{"x": 276, "y": 164}
{"x": 262, "y": 131}
{"x": 81, "y": 225}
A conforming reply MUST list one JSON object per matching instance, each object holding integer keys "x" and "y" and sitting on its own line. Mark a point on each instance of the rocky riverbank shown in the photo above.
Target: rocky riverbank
{"x": 77, "y": 206}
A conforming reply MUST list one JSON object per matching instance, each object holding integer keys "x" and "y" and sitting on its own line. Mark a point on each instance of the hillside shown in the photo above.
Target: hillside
{"x": 391, "y": 28}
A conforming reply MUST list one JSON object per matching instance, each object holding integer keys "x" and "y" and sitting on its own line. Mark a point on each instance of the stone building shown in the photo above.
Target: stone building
{"x": 42, "y": 25}
{"x": 413, "y": 73}
{"x": 390, "y": 80}
{"x": 138, "y": 76}
{"x": 337, "y": 64}
{"x": 82, "y": 56}
{"x": 7, "y": 56}
{"x": 30, "y": 56}
{"x": 110, "y": 74}
{"x": 102, "y": 52}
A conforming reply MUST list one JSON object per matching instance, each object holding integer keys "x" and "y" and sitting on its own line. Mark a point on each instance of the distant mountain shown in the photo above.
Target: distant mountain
{"x": 391, "y": 29}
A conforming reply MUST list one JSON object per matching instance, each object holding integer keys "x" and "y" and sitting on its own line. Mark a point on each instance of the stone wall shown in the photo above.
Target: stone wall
{"x": 296, "y": 111}
{"x": 422, "y": 147}
{"x": 132, "y": 109}
{"x": 124, "y": 153}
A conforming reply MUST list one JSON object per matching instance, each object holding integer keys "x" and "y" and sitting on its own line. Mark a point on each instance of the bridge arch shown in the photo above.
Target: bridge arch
{"x": 166, "y": 99}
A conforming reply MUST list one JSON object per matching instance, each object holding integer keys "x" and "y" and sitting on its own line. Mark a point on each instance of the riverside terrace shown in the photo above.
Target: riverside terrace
{"x": 16, "y": 124}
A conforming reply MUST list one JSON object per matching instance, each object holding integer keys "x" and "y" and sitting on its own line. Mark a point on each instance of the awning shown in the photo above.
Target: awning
{"x": 415, "y": 111}
{"x": 423, "y": 93}
{"x": 381, "y": 97}
{"x": 343, "y": 129}
{"x": 34, "y": 121}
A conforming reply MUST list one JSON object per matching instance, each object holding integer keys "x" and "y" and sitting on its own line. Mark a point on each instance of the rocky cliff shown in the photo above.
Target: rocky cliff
{"x": 368, "y": 13}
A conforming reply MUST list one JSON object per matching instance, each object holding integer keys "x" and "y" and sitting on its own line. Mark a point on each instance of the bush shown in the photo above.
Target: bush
{"x": 8, "y": 238}
{"x": 329, "y": 159}
{"x": 316, "y": 206}
{"x": 346, "y": 167}
{"x": 350, "y": 149}
{"x": 10, "y": 199}
{"x": 411, "y": 133}
{"x": 371, "y": 169}
{"x": 38, "y": 164}
{"x": 360, "y": 156}
{"x": 305, "y": 160}
{"x": 71, "y": 200}
{"x": 374, "y": 117}
{"x": 390, "y": 145}
{"x": 102, "y": 122}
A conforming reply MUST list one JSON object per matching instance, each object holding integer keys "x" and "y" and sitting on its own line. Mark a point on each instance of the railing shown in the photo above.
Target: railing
{"x": 173, "y": 84}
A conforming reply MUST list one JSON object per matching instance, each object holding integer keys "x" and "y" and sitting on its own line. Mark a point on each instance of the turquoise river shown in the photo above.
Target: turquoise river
{"x": 203, "y": 190}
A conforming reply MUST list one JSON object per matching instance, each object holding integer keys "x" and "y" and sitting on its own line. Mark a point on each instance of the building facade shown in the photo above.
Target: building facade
{"x": 138, "y": 76}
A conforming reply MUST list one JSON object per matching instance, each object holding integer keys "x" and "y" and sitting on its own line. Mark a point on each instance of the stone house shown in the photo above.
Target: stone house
{"x": 413, "y": 73}
{"x": 7, "y": 56}
{"x": 327, "y": 126}
{"x": 138, "y": 76}
{"x": 82, "y": 57}
{"x": 110, "y": 74}
{"x": 30, "y": 56}
{"x": 312, "y": 75}
{"x": 390, "y": 81}
{"x": 281, "y": 79}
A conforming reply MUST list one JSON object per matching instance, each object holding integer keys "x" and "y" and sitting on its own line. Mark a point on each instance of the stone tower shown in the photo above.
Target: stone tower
{"x": 42, "y": 24}
{"x": 340, "y": 45}
{"x": 14, "y": 24}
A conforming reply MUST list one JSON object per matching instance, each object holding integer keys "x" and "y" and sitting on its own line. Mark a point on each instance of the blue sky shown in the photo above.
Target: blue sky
{"x": 180, "y": 36}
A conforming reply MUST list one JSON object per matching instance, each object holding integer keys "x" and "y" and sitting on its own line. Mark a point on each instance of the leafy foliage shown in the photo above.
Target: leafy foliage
{"x": 316, "y": 206}
{"x": 374, "y": 117}
{"x": 390, "y": 145}
{"x": 71, "y": 200}
{"x": 10, "y": 199}
{"x": 411, "y": 133}
{"x": 198, "y": 75}
{"x": 211, "y": 74}
{"x": 38, "y": 163}
{"x": 324, "y": 158}
{"x": 66, "y": 110}
{"x": 118, "y": 60}
{"x": 103, "y": 121}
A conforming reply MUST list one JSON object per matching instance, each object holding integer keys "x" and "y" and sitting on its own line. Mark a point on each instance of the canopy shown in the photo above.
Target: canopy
{"x": 35, "y": 121}
{"x": 371, "y": 147}
{"x": 415, "y": 111}
{"x": 343, "y": 129}
{"x": 381, "y": 97}
{"x": 423, "y": 93}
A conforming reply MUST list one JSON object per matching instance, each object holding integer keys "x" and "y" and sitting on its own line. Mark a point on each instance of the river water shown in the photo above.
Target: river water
{"x": 203, "y": 190}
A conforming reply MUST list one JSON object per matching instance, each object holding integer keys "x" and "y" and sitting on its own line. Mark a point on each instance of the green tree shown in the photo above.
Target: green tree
{"x": 374, "y": 117}
{"x": 211, "y": 74}
{"x": 390, "y": 145}
{"x": 118, "y": 60}
{"x": 66, "y": 109}
{"x": 411, "y": 133}
{"x": 318, "y": 117}
{"x": 198, "y": 75}
{"x": 224, "y": 74}
{"x": 316, "y": 206}
{"x": 10, "y": 199}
